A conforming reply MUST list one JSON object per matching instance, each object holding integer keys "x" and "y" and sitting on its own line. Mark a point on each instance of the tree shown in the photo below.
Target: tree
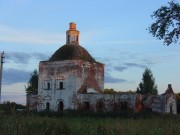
{"x": 33, "y": 83}
{"x": 130, "y": 91}
{"x": 167, "y": 23}
{"x": 147, "y": 86}
{"x": 109, "y": 91}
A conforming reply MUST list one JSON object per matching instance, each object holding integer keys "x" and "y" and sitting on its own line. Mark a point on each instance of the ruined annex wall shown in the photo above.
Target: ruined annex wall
{"x": 105, "y": 102}
{"x": 76, "y": 76}
{"x": 31, "y": 101}
{"x": 165, "y": 103}
{"x": 156, "y": 103}
{"x": 151, "y": 102}
{"x": 171, "y": 104}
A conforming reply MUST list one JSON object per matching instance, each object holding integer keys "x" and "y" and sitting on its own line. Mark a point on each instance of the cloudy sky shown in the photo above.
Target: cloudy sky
{"x": 114, "y": 32}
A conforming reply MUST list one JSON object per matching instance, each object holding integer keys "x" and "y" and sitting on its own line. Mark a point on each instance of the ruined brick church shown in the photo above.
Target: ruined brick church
{"x": 73, "y": 79}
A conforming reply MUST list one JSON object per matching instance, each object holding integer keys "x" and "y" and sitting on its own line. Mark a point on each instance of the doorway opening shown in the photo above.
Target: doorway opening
{"x": 60, "y": 106}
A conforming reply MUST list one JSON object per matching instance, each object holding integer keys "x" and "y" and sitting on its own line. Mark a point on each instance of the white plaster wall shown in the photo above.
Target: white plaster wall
{"x": 73, "y": 73}
{"x": 90, "y": 90}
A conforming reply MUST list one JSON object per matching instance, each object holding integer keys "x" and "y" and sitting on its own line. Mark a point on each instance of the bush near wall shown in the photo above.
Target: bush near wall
{"x": 10, "y": 107}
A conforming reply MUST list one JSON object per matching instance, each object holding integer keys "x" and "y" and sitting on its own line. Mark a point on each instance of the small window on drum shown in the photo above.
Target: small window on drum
{"x": 77, "y": 39}
{"x": 68, "y": 38}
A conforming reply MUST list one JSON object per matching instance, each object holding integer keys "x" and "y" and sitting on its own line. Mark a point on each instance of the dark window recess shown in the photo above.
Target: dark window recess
{"x": 60, "y": 85}
{"x": 68, "y": 38}
{"x": 47, "y": 106}
{"x": 77, "y": 39}
{"x": 48, "y": 86}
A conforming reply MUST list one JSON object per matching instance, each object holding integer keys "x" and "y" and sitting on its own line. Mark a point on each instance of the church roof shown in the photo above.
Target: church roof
{"x": 71, "y": 52}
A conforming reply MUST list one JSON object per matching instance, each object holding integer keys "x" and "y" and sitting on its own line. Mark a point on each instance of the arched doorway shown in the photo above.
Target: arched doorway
{"x": 123, "y": 106}
{"x": 86, "y": 105}
{"x": 100, "y": 106}
{"x": 47, "y": 106}
{"x": 60, "y": 106}
{"x": 171, "y": 108}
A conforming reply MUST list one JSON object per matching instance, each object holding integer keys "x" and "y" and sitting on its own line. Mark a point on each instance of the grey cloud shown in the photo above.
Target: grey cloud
{"x": 148, "y": 61}
{"x": 126, "y": 66}
{"x": 40, "y": 56}
{"x": 105, "y": 60}
{"x": 135, "y": 65}
{"x": 24, "y": 58}
{"x": 18, "y": 57}
{"x": 14, "y": 76}
{"x": 110, "y": 79}
{"x": 120, "y": 68}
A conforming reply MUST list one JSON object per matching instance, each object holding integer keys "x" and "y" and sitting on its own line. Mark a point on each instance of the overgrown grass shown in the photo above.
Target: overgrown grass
{"x": 88, "y": 123}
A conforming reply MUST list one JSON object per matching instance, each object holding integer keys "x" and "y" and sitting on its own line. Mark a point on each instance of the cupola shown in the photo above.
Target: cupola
{"x": 72, "y": 50}
{"x": 72, "y": 35}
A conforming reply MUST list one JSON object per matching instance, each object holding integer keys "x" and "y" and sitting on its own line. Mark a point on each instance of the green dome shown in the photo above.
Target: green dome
{"x": 71, "y": 52}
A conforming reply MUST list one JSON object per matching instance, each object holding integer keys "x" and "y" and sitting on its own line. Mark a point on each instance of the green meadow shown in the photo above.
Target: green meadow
{"x": 88, "y": 124}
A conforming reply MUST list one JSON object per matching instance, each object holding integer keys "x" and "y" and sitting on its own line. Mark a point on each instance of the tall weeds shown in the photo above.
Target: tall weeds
{"x": 36, "y": 124}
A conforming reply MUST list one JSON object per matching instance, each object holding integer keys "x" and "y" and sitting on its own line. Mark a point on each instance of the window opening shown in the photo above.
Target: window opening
{"x": 47, "y": 106}
{"x": 48, "y": 86}
{"x": 61, "y": 85}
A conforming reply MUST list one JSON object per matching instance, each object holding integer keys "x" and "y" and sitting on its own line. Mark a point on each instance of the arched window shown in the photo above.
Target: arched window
{"x": 47, "y": 84}
{"x": 60, "y": 84}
